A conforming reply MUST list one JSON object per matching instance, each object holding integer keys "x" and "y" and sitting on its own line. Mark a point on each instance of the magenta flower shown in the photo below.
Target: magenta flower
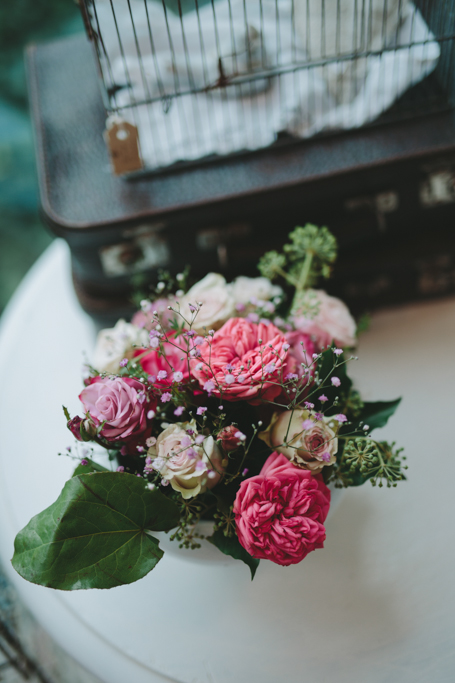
{"x": 280, "y": 513}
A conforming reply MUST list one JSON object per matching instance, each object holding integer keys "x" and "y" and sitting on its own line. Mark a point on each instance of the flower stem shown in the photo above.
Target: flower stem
{"x": 305, "y": 272}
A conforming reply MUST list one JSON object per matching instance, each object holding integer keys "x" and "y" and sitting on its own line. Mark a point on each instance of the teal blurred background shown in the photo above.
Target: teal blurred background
{"x": 22, "y": 234}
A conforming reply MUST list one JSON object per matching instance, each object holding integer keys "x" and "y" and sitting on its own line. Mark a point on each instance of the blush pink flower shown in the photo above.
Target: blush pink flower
{"x": 236, "y": 358}
{"x": 280, "y": 513}
{"x": 300, "y": 352}
{"x": 117, "y": 402}
{"x": 327, "y": 319}
{"x": 173, "y": 361}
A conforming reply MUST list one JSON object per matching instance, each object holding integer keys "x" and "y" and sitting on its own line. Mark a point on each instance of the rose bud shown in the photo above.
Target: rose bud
{"x": 88, "y": 430}
{"x": 228, "y": 439}
{"x": 74, "y": 425}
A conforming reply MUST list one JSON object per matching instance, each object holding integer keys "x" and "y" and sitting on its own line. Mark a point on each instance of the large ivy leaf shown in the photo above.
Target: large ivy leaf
{"x": 230, "y": 545}
{"x": 95, "y": 534}
{"x": 377, "y": 414}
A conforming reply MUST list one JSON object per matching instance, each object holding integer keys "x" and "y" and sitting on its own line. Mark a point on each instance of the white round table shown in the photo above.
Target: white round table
{"x": 376, "y": 604}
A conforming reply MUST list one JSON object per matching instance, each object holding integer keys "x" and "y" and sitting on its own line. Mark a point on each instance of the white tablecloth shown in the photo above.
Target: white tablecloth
{"x": 376, "y": 604}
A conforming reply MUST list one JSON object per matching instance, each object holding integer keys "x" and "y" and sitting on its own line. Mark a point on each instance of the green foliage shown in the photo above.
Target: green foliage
{"x": 308, "y": 256}
{"x": 230, "y": 545}
{"x": 318, "y": 241}
{"x": 272, "y": 264}
{"x": 95, "y": 534}
{"x": 363, "y": 324}
{"x": 376, "y": 414}
{"x": 363, "y": 459}
{"x": 353, "y": 405}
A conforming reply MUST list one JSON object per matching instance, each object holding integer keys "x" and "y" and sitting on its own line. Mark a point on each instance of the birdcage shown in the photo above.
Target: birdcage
{"x": 190, "y": 80}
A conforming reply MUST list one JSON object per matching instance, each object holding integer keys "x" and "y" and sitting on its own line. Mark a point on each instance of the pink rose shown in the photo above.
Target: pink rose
{"x": 119, "y": 403}
{"x": 301, "y": 351}
{"x": 243, "y": 359}
{"x": 326, "y": 319}
{"x": 174, "y": 360}
{"x": 280, "y": 513}
{"x": 310, "y": 443}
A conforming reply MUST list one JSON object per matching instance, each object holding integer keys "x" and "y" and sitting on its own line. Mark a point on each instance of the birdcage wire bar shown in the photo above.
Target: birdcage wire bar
{"x": 192, "y": 70}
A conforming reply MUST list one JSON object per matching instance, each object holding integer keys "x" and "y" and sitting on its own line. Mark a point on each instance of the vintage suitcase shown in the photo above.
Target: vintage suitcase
{"x": 386, "y": 191}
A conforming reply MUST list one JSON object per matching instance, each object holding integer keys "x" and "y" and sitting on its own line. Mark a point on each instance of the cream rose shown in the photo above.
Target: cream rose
{"x": 190, "y": 462}
{"x": 326, "y": 318}
{"x": 112, "y": 345}
{"x": 309, "y": 443}
{"x": 247, "y": 289}
{"x": 218, "y": 304}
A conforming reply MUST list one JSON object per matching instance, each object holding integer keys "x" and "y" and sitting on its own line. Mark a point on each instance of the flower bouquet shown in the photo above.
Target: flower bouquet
{"x": 222, "y": 402}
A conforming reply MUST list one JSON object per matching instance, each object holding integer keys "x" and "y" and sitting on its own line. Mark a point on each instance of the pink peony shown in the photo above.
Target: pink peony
{"x": 327, "y": 320}
{"x": 175, "y": 360}
{"x": 244, "y": 360}
{"x": 301, "y": 351}
{"x": 280, "y": 513}
{"x": 116, "y": 402}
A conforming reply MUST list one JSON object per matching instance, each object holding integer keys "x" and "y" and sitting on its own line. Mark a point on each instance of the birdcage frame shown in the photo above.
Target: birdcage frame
{"x": 434, "y": 93}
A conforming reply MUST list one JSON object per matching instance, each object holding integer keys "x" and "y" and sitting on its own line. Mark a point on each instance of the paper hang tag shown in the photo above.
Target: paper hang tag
{"x": 122, "y": 140}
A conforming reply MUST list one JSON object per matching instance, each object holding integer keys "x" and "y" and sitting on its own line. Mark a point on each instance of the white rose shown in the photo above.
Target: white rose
{"x": 326, "y": 318}
{"x": 218, "y": 304}
{"x": 189, "y": 466}
{"x": 309, "y": 443}
{"x": 112, "y": 345}
{"x": 244, "y": 289}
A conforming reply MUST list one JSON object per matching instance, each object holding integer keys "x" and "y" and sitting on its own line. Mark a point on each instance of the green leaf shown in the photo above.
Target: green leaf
{"x": 91, "y": 467}
{"x": 230, "y": 545}
{"x": 94, "y": 535}
{"x": 377, "y": 414}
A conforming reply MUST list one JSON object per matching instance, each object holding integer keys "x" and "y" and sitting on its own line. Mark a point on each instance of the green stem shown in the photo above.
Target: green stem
{"x": 304, "y": 273}
{"x": 287, "y": 277}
